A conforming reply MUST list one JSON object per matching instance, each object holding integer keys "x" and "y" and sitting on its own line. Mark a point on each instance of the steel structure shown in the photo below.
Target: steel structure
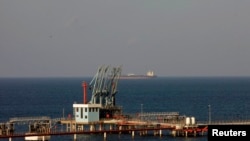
{"x": 104, "y": 85}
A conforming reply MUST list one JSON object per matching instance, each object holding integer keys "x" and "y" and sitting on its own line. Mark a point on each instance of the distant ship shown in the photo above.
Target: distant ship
{"x": 150, "y": 74}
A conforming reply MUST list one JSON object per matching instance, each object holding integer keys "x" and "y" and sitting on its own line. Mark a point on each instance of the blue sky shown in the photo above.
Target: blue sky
{"x": 55, "y": 38}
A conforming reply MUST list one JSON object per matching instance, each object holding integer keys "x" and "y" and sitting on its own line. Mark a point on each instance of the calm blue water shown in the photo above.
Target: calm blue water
{"x": 229, "y": 99}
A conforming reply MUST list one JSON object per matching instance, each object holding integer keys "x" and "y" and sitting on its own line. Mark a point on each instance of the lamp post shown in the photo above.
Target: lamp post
{"x": 209, "y": 114}
{"x": 141, "y": 110}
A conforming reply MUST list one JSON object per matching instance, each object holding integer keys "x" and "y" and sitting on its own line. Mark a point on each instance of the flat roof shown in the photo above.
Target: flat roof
{"x": 88, "y": 105}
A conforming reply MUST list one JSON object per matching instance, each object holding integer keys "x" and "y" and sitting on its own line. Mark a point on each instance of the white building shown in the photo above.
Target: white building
{"x": 86, "y": 112}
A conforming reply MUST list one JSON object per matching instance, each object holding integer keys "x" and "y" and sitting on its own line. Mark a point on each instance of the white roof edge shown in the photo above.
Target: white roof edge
{"x": 87, "y": 105}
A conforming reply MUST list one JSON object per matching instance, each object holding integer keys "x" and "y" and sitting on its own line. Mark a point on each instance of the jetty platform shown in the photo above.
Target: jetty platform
{"x": 167, "y": 123}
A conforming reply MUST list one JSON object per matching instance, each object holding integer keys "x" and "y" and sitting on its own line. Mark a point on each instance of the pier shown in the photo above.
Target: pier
{"x": 46, "y": 127}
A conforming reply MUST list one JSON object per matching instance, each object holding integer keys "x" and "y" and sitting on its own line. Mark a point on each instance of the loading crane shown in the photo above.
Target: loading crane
{"x": 104, "y": 88}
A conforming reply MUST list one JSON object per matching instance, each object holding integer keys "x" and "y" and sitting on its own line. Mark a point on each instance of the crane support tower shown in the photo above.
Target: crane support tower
{"x": 104, "y": 88}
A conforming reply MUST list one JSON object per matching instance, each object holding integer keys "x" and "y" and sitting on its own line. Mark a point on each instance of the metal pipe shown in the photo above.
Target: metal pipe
{"x": 84, "y": 85}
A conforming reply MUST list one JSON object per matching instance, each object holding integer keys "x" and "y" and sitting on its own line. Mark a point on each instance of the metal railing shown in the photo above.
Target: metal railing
{"x": 23, "y": 119}
{"x": 225, "y": 122}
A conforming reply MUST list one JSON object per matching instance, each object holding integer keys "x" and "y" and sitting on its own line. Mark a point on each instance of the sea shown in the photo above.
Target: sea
{"x": 224, "y": 98}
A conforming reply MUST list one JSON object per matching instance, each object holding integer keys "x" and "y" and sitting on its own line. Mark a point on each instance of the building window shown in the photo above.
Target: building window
{"x": 86, "y": 109}
{"x": 81, "y": 113}
{"x": 86, "y": 117}
{"x": 77, "y": 109}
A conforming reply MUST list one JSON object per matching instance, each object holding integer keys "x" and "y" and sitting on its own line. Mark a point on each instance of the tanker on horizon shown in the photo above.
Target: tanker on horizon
{"x": 150, "y": 74}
